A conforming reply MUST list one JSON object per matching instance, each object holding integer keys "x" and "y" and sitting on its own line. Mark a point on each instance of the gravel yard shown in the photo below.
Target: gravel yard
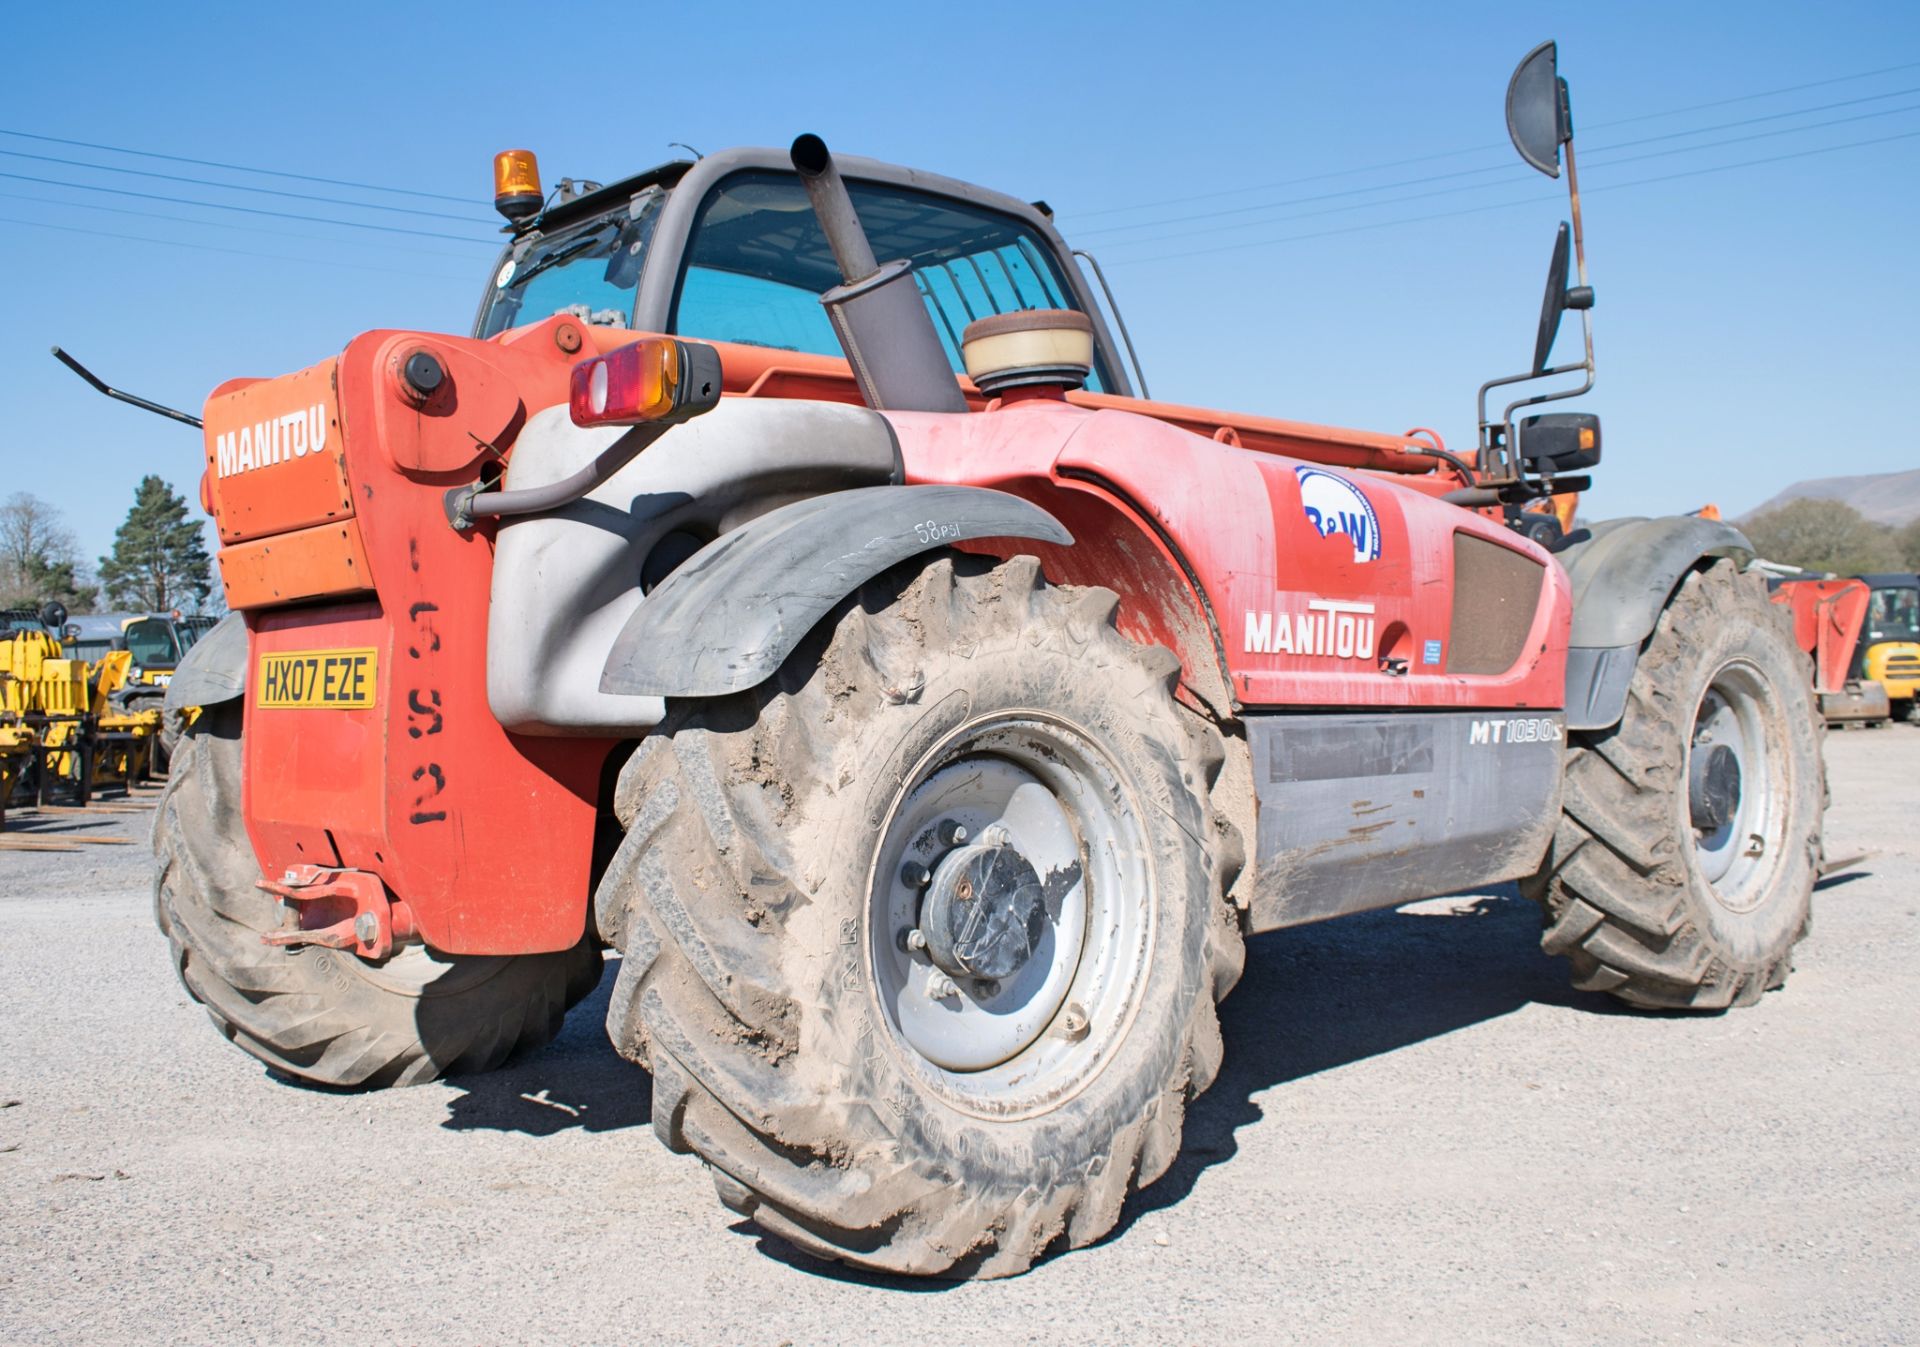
{"x": 1421, "y": 1135}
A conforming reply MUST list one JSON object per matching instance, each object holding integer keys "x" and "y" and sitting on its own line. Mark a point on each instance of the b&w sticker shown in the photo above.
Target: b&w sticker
{"x": 1335, "y": 505}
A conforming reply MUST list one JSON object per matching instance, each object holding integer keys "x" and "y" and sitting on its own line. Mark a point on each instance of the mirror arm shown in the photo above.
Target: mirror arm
{"x": 1579, "y": 233}
{"x": 1491, "y": 384}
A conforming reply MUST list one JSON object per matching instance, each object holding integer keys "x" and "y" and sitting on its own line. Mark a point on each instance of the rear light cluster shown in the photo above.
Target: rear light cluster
{"x": 651, "y": 380}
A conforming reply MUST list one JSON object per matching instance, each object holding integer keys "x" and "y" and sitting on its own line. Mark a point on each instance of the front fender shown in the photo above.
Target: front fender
{"x": 727, "y": 619}
{"x": 1622, "y": 577}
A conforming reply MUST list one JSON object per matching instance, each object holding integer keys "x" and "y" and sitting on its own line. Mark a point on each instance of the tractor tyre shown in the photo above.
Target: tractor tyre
{"x": 1681, "y": 873}
{"x": 924, "y": 936}
{"x": 173, "y": 724}
{"x": 327, "y": 1015}
{"x": 1901, "y": 710}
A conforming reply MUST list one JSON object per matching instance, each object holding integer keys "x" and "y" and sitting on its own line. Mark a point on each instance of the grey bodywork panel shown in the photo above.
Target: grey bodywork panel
{"x": 1622, "y": 576}
{"x": 214, "y": 670}
{"x": 1367, "y": 810}
{"x": 565, "y": 583}
{"x": 726, "y": 619}
{"x": 660, "y": 279}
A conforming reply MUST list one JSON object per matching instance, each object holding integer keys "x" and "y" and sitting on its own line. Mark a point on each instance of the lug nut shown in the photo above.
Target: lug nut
{"x": 952, "y": 833}
{"x": 940, "y": 986}
{"x": 914, "y": 939}
{"x": 915, "y": 875}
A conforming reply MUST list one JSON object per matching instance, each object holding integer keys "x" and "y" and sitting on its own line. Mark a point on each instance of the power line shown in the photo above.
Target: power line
{"x": 235, "y": 168}
{"x": 245, "y": 210}
{"x": 237, "y": 187}
{"x": 1504, "y": 168}
{"x": 1516, "y": 175}
{"x": 214, "y": 224}
{"x": 329, "y": 263}
{"x": 1504, "y": 205}
{"x": 1482, "y": 149}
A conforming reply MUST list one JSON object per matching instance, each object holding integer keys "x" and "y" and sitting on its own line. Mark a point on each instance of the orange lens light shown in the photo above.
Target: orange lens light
{"x": 516, "y": 184}
{"x": 629, "y": 386}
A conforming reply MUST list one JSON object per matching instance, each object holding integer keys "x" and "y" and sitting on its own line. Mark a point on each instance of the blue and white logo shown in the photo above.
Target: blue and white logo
{"x": 1335, "y": 505}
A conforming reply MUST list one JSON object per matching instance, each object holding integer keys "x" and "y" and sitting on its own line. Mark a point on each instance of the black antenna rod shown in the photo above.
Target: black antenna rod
{"x": 111, "y": 392}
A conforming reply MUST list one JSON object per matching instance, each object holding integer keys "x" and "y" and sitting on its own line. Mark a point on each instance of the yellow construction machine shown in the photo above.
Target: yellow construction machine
{"x": 1889, "y": 649}
{"x": 62, "y": 729}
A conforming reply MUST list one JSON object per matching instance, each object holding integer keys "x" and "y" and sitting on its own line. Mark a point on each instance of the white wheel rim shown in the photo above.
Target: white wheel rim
{"x": 1040, "y": 1034}
{"x": 1737, "y": 857}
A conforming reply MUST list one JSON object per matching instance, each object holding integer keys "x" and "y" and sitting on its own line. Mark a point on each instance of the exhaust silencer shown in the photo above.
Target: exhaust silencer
{"x": 877, "y": 312}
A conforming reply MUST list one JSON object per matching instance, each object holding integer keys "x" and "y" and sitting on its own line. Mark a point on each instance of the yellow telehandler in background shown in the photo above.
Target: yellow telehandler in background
{"x": 63, "y": 727}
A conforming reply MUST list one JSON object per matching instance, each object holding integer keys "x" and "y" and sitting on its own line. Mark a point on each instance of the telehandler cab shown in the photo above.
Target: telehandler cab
{"x": 789, "y": 586}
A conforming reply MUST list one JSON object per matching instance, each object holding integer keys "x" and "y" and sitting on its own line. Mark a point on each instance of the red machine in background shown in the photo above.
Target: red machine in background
{"x": 1827, "y": 618}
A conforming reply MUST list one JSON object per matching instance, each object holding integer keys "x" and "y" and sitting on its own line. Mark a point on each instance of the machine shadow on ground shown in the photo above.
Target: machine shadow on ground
{"x": 1312, "y": 999}
{"x": 576, "y": 1081}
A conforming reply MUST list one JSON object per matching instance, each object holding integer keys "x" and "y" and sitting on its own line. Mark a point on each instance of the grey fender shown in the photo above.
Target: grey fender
{"x": 727, "y": 619}
{"x": 1622, "y": 576}
{"x": 566, "y": 582}
{"x": 214, "y": 670}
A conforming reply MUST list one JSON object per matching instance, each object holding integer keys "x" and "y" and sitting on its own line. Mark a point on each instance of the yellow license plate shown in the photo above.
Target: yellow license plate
{"x": 318, "y": 679}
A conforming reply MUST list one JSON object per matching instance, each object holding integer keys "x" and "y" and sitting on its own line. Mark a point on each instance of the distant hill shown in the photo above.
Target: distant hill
{"x": 1885, "y": 497}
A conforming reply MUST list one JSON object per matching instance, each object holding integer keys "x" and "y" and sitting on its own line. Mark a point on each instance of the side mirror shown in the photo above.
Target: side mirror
{"x": 1559, "y": 297}
{"x": 1560, "y": 442}
{"x": 53, "y": 615}
{"x": 1538, "y": 114}
{"x": 1553, "y": 303}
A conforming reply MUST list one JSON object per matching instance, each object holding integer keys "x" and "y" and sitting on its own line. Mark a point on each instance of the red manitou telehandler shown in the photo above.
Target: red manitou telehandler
{"x": 789, "y": 585}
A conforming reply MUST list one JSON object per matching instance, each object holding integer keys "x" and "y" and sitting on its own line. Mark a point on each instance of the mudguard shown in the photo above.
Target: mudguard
{"x": 1622, "y": 576}
{"x": 726, "y": 619}
{"x": 214, "y": 670}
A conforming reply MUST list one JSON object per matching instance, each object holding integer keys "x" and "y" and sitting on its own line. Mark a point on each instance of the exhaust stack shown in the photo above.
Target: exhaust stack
{"x": 877, "y": 312}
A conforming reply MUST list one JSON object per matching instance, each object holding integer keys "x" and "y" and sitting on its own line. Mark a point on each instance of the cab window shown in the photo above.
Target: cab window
{"x": 757, "y": 264}
{"x": 152, "y": 644}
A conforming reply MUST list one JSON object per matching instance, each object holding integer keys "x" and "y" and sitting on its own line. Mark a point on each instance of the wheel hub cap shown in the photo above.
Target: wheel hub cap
{"x": 985, "y": 912}
{"x": 1714, "y": 787}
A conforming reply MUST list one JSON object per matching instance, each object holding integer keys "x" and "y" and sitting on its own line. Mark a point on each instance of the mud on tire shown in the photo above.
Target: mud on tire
{"x": 750, "y": 898}
{"x": 321, "y": 1014}
{"x": 1645, "y": 904}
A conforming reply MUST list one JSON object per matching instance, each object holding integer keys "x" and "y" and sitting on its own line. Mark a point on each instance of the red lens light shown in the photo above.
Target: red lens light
{"x": 627, "y": 387}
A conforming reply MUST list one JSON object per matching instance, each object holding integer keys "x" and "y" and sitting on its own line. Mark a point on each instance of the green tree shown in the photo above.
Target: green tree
{"x": 1907, "y": 536}
{"x": 1823, "y": 535}
{"x": 159, "y": 560}
{"x": 38, "y": 557}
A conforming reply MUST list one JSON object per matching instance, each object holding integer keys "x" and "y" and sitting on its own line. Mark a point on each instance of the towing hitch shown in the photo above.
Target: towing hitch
{"x": 340, "y": 909}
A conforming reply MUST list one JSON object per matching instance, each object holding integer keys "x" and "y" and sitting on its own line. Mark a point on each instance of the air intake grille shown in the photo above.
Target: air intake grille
{"x": 1495, "y": 593}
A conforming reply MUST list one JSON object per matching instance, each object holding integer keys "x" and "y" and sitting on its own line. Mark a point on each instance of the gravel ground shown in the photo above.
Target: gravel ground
{"x": 1421, "y": 1136}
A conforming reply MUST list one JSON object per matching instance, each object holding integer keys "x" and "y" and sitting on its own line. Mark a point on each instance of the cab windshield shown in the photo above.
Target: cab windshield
{"x": 151, "y": 641}
{"x": 1894, "y": 615}
{"x": 590, "y": 271}
{"x": 757, "y": 264}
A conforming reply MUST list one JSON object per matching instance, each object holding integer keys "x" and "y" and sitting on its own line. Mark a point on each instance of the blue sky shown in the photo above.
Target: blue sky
{"x": 1753, "y": 323}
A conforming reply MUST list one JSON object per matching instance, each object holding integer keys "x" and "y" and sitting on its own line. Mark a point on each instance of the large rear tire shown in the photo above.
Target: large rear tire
{"x": 326, "y": 1015}
{"x": 1681, "y": 874}
{"x": 857, "y": 1091}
